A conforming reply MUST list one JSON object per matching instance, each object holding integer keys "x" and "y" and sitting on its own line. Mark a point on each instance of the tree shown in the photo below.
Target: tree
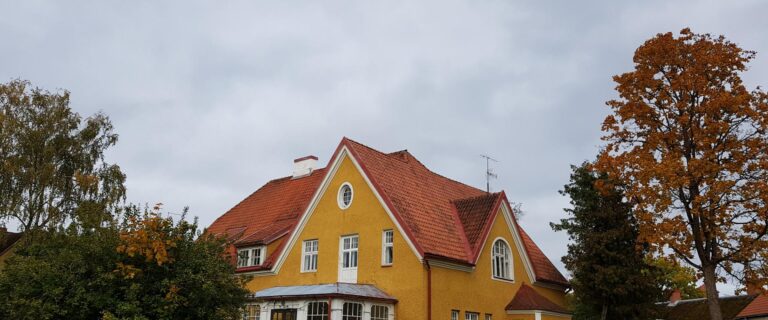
{"x": 611, "y": 277}
{"x": 52, "y": 161}
{"x": 689, "y": 142}
{"x": 146, "y": 267}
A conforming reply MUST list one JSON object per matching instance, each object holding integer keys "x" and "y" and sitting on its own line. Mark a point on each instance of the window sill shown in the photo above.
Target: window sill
{"x": 503, "y": 279}
{"x": 386, "y": 265}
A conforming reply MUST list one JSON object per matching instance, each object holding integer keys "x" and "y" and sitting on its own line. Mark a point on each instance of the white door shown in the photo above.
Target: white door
{"x": 348, "y": 259}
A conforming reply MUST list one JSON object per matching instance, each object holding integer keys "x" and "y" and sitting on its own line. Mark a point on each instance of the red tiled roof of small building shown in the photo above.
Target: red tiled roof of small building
{"x": 444, "y": 218}
{"x": 527, "y": 298}
{"x": 758, "y": 307}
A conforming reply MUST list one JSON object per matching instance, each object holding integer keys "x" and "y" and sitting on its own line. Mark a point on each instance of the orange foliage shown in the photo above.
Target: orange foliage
{"x": 689, "y": 142}
{"x": 148, "y": 237}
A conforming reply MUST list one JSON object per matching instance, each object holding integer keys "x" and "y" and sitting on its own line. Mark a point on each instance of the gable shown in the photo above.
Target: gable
{"x": 329, "y": 187}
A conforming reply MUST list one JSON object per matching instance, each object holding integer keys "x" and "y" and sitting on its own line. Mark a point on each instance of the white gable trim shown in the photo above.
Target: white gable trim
{"x": 344, "y": 152}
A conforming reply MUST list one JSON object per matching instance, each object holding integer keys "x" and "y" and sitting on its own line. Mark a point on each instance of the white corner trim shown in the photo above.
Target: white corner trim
{"x": 334, "y": 166}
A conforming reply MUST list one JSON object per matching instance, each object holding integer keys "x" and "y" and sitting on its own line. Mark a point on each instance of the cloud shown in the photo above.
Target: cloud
{"x": 211, "y": 100}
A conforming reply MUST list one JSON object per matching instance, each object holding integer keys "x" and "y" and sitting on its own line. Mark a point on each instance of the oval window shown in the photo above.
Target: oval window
{"x": 345, "y": 195}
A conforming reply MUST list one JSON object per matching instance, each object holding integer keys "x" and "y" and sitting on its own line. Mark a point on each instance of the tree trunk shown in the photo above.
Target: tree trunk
{"x": 604, "y": 314}
{"x": 710, "y": 283}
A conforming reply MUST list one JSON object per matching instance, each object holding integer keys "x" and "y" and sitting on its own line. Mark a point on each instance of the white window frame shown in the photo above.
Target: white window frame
{"x": 247, "y": 316}
{"x": 468, "y": 315}
{"x": 352, "y": 316}
{"x": 313, "y": 312}
{"x": 387, "y": 243}
{"x": 310, "y": 249}
{"x": 505, "y": 271}
{"x": 455, "y": 314}
{"x": 340, "y": 197}
{"x": 376, "y": 310}
{"x": 251, "y": 259}
{"x": 488, "y": 316}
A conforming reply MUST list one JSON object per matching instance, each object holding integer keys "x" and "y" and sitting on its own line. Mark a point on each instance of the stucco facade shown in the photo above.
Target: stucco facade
{"x": 418, "y": 284}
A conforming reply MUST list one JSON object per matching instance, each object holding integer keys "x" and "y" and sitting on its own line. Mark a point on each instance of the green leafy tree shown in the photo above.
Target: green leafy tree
{"x": 52, "y": 161}
{"x": 145, "y": 267}
{"x": 611, "y": 278}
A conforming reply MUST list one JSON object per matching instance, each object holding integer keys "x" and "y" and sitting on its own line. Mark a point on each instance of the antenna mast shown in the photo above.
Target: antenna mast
{"x": 488, "y": 172}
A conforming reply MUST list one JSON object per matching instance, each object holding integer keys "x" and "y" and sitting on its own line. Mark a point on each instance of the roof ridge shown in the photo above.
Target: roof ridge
{"x": 417, "y": 160}
{"x": 489, "y": 194}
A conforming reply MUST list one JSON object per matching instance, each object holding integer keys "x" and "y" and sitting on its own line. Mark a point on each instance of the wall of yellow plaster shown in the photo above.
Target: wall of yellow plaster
{"x": 366, "y": 217}
{"x": 476, "y": 291}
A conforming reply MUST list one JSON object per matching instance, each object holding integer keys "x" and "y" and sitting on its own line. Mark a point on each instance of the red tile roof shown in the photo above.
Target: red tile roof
{"x": 758, "y": 307}
{"x": 527, "y": 298}
{"x": 444, "y": 218}
{"x": 543, "y": 268}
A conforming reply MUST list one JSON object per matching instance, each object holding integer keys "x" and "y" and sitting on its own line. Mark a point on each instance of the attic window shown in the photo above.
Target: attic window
{"x": 249, "y": 257}
{"x": 345, "y": 195}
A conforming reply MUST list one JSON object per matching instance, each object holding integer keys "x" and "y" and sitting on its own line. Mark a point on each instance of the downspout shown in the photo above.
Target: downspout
{"x": 429, "y": 290}
{"x": 330, "y": 308}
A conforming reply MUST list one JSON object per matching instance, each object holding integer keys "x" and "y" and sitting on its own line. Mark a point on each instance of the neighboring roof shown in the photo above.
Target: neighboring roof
{"x": 758, "y": 307}
{"x": 444, "y": 218}
{"x": 697, "y": 309}
{"x": 334, "y": 290}
{"x": 7, "y": 240}
{"x": 527, "y": 299}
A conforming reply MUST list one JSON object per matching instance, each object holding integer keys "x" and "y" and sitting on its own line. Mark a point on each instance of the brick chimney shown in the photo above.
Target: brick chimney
{"x": 676, "y": 296}
{"x": 304, "y": 166}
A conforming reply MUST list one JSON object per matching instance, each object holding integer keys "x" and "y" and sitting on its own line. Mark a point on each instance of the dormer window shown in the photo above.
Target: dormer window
{"x": 252, "y": 256}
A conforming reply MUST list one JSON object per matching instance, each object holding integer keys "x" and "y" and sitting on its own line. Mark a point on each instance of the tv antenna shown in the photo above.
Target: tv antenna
{"x": 489, "y": 172}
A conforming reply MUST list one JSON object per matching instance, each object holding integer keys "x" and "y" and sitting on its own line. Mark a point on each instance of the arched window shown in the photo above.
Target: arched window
{"x": 501, "y": 260}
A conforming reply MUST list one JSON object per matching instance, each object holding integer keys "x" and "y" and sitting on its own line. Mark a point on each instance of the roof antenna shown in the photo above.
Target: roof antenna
{"x": 488, "y": 172}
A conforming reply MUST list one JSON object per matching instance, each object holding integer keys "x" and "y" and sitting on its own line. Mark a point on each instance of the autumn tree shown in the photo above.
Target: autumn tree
{"x": 689, "y": 142}
{"x": 52, "y": 160}
{"x": 143, "y": 266}
{"x": 611, "y": 276}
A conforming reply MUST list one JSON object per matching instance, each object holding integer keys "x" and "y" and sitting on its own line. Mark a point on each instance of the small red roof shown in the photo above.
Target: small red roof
{"x": 528, "y": 299}
{"x": 758, "y": 307}
{"x": 445, "y": 219}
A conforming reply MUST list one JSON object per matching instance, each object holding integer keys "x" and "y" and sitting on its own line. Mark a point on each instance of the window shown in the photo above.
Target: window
{"x": 345, "y": 195}
{"x": 248, "y": 257}
{"x": 252, "y": 312}
{"x": 349, "y": 252}
{"x": 352, "y": 311}
{"x": 471, "y": 316}
{"x": 309, "y": 263}
{"x": 501, "y": 260}
{"x": 387, "y": 250}
{"x": 317, "y": 311}
{"x": 488, "y": 317}
{"x": 379, "y": 312}
{"x": 454, "y": 314}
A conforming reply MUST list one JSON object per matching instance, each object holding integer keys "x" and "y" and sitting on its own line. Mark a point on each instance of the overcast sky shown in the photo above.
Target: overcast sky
{"x": 211, "y": 100}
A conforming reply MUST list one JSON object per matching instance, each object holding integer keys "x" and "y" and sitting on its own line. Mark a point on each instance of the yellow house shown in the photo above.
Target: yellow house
{"x": 376, "y": 236}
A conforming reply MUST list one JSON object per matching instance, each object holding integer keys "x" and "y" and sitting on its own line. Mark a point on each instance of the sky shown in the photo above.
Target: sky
{"x": 213, "y": 99}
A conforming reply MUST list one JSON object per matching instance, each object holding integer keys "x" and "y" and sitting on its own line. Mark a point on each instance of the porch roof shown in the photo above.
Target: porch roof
{"x": 333, "y": 290}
